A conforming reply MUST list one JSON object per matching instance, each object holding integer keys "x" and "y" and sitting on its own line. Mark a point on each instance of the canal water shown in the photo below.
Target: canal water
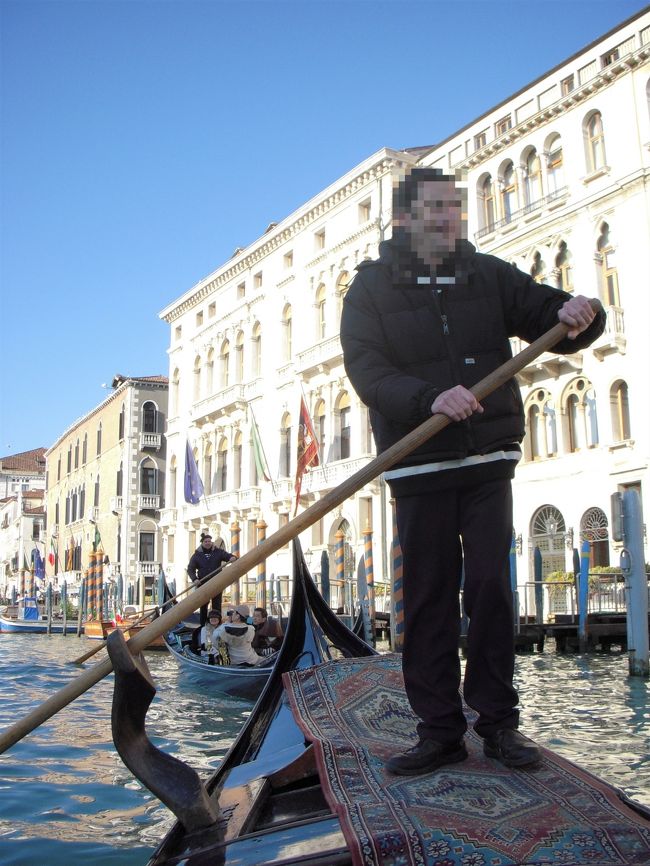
{"x": 66, "y": 798}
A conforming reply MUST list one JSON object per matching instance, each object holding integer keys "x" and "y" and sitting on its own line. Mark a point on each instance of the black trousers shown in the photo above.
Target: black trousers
{"x": 443, "y": 534}
{"x": 214, "y": 605}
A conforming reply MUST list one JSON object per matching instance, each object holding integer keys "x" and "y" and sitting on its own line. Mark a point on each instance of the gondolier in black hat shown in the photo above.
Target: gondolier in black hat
{"x": 207, "y": 559}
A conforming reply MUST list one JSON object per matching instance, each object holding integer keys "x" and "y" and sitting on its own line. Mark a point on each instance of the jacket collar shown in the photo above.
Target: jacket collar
{"x": 408, "y": 271}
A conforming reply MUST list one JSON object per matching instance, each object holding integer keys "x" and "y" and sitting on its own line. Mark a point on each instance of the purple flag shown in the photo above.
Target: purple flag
{"x": 193, "y": 483}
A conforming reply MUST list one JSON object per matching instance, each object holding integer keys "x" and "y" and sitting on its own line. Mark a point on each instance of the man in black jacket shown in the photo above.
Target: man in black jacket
{"x": 206, "y": 561}
{"x": 420, "y": 326}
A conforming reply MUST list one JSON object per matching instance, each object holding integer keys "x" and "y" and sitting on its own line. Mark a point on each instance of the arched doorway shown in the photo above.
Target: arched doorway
{"x": 548, "y": 533}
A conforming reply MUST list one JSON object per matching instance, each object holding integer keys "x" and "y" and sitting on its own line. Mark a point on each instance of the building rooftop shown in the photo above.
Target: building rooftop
{"x": 25, "y": 461}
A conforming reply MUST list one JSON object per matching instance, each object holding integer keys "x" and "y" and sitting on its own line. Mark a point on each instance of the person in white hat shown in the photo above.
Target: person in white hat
{"x": 238, "y": 635}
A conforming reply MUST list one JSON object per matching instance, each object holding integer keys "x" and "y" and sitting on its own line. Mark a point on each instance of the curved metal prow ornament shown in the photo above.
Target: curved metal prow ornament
{"x": 176, "y": 784}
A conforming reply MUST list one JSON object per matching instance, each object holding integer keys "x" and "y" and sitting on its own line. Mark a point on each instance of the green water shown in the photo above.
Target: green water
{"x": 66, "y": 798}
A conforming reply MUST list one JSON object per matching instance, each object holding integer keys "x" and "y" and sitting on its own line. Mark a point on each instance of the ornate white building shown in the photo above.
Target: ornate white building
{"x": 557, "y": 177}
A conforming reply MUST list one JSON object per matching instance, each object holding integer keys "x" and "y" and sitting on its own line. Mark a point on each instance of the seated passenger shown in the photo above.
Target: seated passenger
{"x": 207, "y": 640}
{"x": 238, "y": 636}
{"x": 268, "y": 632}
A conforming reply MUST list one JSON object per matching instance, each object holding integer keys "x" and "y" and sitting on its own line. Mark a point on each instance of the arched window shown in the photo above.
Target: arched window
{"x": 594, "y": 528}
{"x": 620, "y": 411}
{"x": 342, "y": 284}
{"x": 285, "y": 446}
{"x": 222, "y": 466}
{"x": 256, "y": 351}
{"x": 594, "y": 141}
{"x": 541, "y": 426}
{"x": 224, "y": 364}
{"x": 286, "y": 333}
{"x": 608, "y": 272}
{"x": 120, "y": 424}
{"x": 76, "y": 454}
{"x": 508, "y": 191}
{"x": 581, "y": 420}
{"x": 486, "y": 202}
{"x": 172, "y": 482}
{"x": 555, "y": 165}
{"x": 99, "y": 439}
{"x": 237, "y": 461}
{"x": 343, "y": 433}
{"x": 563, "y": 268}
{"x": 207, "y": 469}
{"x": 84, "y": 450}
{"x": 119, "y": 481}
{"x": 320, "y": 420}
{"x": 321, "y": 324}
{"x": 58, "y": 468}
{"x": 69, "y": 464}
{"x": 173, "y": 409}
{"x": 197, "y": 378}
{"x": 149, "y": 417}
{"x": 239, "y": 357}
{"x": 209, "y": 373}
{"x": 96, "y": 493}
{"x": 148, "y": 477}
{"x": 82, "y": 501}
{"x": 533, "y": 172}
{"x": 538, "y": 268}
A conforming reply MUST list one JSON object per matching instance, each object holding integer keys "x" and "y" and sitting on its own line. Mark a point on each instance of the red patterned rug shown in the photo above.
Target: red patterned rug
{"x": 477, "y": 813}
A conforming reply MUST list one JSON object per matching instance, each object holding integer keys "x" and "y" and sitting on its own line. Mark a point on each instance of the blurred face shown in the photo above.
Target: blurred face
{"x": 206, "y": 544}
{"x": 214, "y": 621}
{"x": 436, "y": 220}
{"x": 258, "y": 619}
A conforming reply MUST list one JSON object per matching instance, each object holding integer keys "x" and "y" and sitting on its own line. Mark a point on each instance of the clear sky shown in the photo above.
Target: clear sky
{"x": 143, "y": 141}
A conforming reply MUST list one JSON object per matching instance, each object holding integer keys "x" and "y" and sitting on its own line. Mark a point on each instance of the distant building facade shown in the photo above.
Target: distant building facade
{"x": 558, "y": 184}
{"x": 106, "y": 474}
{"x": 22, "y": 518}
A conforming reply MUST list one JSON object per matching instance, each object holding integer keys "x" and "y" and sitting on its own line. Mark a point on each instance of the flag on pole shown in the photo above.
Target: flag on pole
{"x": 307, "y": 448}
{"x": 97, "y": 540}
{"x": 39, "y": 564}
{"x": 258, "y": 452}
{"x": 51, "y": 557}
{"x": 193, "y": 483}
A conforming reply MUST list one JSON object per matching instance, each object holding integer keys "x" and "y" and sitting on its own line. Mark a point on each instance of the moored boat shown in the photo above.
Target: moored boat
{"x": 26, "y": 618}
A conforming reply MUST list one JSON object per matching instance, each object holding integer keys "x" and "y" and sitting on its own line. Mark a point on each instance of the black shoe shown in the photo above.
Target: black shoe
{"x": 512, "y": 748}
{"x": 427, "y": 755}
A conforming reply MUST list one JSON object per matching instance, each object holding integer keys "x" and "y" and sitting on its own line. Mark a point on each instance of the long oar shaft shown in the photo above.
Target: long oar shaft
{"x": 81, "y": 659}
{"x": 281, "y": 538}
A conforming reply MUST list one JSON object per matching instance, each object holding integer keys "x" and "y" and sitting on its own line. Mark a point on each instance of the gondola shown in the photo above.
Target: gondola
{"x": 266, "y": 804}
{"x": 270, "y": 747}
{"x": 233, "y": 681}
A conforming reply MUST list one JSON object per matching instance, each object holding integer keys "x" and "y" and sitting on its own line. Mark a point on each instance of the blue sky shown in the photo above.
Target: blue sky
{"x": 143, "y": 141}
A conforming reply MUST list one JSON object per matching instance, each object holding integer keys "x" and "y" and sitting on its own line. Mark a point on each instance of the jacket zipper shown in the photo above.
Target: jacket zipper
{"x": 438, "y": 299}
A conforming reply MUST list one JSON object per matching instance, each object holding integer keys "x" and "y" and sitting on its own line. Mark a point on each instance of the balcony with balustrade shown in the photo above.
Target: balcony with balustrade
{"x": 218, "y": 405}
{"x": 320, "y": 358}
{"x": 148, "y": 502}
{"x": 150, "y": 441}
{"x": 116, "y": 504}
{"x": 613, "y": 339}
{"x": 549, "y": 365}
{"x": 147, "y": 569}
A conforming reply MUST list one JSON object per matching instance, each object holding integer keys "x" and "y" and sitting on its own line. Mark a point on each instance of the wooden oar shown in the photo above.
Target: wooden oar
{"x": 282, "y": 537}
{"x": 138, "y": 621}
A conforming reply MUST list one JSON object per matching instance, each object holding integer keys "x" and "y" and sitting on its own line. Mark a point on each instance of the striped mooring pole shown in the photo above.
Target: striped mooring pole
{"x": 235, "y": 533}
{"x": 397, "y": 589}
{"x": 260, "y": 595}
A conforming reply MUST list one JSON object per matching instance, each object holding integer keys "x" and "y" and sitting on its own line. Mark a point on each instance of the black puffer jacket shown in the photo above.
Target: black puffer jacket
{"x": 404, "y": 345}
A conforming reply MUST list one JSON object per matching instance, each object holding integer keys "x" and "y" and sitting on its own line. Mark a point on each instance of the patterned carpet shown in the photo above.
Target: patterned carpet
{"x": 477, "y": 813}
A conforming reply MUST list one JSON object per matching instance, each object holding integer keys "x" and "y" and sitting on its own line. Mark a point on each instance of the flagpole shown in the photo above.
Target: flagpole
{"x": 259, "y": 439}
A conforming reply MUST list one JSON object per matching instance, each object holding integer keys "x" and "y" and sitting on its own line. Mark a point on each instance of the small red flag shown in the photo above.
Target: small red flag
{"x": 307, "y": 448}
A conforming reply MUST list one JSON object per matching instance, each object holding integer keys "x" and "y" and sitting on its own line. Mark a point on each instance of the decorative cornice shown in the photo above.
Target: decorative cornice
{"x": 266, "y": 245}
{"x": 601, "y": 80}
{"x": 365, "y": 229}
